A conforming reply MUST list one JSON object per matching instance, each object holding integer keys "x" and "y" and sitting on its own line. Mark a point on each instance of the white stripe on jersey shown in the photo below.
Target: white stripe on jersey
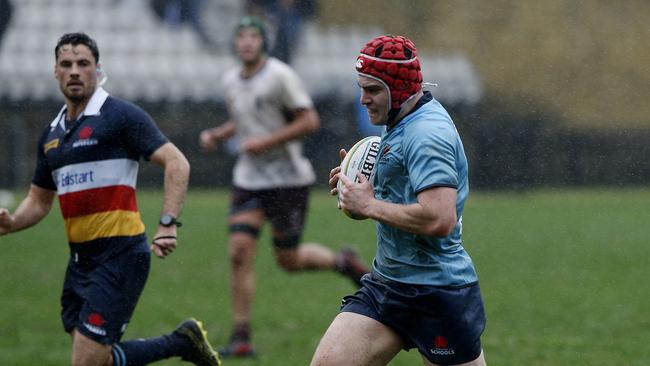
{"x": 96, "y": 174}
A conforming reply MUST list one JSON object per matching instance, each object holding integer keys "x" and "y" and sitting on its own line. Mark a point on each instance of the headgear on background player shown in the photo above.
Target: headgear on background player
{"x": 392, "y": 60}
{"x": 257, "y": 24}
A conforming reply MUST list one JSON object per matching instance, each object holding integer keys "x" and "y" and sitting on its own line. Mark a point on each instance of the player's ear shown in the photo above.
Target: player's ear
{"x": 101, "y": 75}
{"x": 56, "y": 74}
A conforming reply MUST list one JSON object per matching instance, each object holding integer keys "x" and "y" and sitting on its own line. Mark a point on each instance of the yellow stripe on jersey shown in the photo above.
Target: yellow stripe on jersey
{"x": 50, "y": 145}
{"x": 103, "y": 225}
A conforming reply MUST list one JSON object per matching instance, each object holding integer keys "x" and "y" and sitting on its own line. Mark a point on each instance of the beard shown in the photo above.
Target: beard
{"x": 78, "y": 95}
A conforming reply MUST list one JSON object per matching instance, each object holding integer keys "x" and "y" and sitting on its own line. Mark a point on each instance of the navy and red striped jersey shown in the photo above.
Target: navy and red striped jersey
{"x": 92, "y": 163}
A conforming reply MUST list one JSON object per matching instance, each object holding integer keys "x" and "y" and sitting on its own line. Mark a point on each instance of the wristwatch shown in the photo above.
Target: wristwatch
{"x": 168, "y": 220}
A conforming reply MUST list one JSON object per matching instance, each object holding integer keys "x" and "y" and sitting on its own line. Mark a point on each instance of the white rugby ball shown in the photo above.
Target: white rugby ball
{"x": 361, "y": 158}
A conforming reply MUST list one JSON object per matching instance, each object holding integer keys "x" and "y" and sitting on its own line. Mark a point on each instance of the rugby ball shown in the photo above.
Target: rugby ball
{"x": 361, "y": 158}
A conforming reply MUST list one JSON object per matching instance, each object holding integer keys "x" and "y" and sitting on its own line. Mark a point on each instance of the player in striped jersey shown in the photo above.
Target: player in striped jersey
{"x": 88, "y": 156}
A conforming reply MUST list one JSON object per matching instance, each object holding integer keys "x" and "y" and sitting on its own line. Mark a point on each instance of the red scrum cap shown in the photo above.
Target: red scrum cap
{"x": 393, "y": 61}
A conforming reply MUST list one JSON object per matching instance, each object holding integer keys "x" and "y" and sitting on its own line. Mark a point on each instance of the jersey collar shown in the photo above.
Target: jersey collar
{"x": 92, "y": 108}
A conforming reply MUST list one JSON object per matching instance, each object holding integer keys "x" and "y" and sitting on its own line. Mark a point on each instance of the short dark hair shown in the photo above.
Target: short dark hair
{"x": 77, "y": 39}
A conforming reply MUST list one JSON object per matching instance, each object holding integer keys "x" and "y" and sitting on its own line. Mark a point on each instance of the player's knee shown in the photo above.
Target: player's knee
{"x": 242, "y": 244}
{"x": 286, "y": 253}
{"x": 327, "y": 357}
{"x": 92, "y": 357}
{"x": 288, "y": 263}
{"x": 86, "y": 351}
{"x": 240, "y": 256}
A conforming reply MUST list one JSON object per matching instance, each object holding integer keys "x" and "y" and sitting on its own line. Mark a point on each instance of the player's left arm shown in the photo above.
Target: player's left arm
{"x": 177, "y": 172}
{"x": 434, "y": 213}
{"x": 304, "y": 122}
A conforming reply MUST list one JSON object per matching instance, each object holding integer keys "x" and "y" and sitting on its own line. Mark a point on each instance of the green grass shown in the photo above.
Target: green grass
{"x": 563, "y": 273}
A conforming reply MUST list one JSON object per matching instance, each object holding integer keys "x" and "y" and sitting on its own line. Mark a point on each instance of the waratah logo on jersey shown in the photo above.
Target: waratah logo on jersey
{"x": 383, "y": 159}
{"x": 85, "y": 133}
{"x": 441, "y": 347}
{"x": 84, "y": 138}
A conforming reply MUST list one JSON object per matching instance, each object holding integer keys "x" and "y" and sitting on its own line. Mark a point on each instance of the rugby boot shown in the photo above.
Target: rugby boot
{"x": 201, "y": 352}
{"x": 238, "y": 349}
{"x": 240, "y": 343}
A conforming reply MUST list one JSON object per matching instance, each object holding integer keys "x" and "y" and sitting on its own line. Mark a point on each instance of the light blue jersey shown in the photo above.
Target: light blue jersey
{"x": 422, "y": 151}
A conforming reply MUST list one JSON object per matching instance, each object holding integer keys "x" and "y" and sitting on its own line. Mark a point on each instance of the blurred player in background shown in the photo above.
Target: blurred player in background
{"x": 88, "y": 156}
{"x": 270, "y": 111}
{"x": 423, "y": 291}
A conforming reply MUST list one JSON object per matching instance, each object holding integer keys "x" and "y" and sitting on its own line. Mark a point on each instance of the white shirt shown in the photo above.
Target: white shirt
{"x": 258, "y": 106}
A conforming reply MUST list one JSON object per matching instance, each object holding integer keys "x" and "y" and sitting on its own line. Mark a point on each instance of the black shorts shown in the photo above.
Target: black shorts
{"x": 444, "y": 324}
{"x": 285, "y": 208}
{"x": 100, "y": 291}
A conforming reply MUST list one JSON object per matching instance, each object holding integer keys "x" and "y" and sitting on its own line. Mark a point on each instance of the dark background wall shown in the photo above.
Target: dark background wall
{"x": 565, "y": 90}
{"x": 506, "y": 149}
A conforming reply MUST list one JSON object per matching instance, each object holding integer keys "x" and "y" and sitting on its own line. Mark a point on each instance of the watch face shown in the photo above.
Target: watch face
{"x": 166, "y": 220}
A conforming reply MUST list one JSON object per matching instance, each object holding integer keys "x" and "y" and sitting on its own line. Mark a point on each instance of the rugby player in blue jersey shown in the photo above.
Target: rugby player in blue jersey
{"x": 423, "y": 290}
{"x": 88, "y": 156}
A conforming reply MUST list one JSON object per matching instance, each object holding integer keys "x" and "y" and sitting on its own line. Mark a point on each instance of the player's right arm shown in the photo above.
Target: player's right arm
{"x": 31, "y": 210}
{"x": 209, "y": 138}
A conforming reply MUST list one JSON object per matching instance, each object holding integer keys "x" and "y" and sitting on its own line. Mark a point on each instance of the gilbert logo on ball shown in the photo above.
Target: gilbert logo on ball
{"x": 361, "y": 158}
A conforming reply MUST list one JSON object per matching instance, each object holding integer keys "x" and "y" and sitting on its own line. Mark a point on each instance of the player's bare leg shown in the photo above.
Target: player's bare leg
{"x": 479, "y": 361}
{"x": 307, "y": 256}
{"x": 242, "y": 255}
{"x": 354, "y": 339}
{"x": 242, "y": 249}
{"x": 85, "y": 351}
{"x": 314, "y": 256}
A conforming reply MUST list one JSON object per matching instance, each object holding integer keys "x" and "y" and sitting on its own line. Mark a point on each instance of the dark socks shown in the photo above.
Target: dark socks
{"x": 145, "y": 351}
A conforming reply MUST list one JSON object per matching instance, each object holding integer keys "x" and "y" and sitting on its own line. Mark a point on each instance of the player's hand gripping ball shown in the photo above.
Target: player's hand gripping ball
{"x": 361, "y": 158}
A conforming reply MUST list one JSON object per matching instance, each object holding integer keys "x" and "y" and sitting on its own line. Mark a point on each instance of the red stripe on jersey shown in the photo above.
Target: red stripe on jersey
{"x": 98, "y": 200}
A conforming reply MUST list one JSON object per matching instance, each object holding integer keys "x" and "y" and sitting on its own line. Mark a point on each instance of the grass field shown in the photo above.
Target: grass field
{"x": 563, "y": 272}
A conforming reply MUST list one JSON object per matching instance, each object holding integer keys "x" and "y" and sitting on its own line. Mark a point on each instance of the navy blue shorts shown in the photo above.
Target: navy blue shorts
{"x": 285, "y": 208}
{"x": 100, "y": 291}
{"x": 444, "y": 323}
